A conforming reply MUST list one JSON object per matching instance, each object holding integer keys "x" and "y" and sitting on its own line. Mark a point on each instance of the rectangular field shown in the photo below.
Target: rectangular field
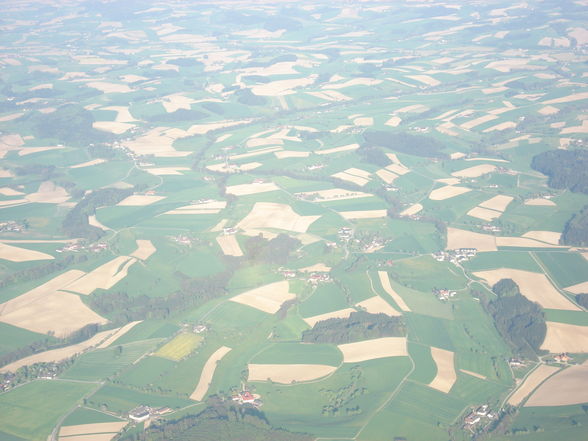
{"x": 179, "y": 347}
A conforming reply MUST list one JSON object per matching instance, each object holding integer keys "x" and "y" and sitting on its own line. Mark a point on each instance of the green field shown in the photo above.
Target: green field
{"x": 566, "y": 269}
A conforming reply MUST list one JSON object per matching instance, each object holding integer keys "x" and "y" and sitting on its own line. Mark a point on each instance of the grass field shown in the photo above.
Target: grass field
{"x": 31, "y": 411}
{"x": 566, "y": 269}
{"x": 502, "y": 259}
{"x": 180, "y": 346}
{"x": 295, "y": 353}
{"x": 88, "y": 416}
{"x": 147, "y": 330}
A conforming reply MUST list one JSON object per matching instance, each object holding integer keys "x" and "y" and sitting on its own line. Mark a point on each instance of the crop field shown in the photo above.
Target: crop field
{"x": 179, "y": 347}
{"x": 566, "y": 269}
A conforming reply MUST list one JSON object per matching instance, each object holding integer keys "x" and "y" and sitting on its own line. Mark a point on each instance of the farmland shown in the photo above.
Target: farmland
{"x": 301, "y": 214}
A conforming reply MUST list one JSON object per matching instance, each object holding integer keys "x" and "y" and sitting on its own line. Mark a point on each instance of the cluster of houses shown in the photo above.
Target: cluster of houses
{"x": 479, "y": 415}
{"x": 246, "y": 397}
{"x": 516, "y": 363}
{"x": 488, "y": 228}
{"x": 564, "y": 357}
{"x": 345, "y": 233}
{"x": 12, "y": 227}
{"x": 78, "y": 246}
{"x": 315, "y": 167}
{"x": 455, "y": 256}
{"x": 182, "y": 239}
{"x": 143, "y": 413}
{"x": 444, "y": 294}
{"x": 314, "y": 277}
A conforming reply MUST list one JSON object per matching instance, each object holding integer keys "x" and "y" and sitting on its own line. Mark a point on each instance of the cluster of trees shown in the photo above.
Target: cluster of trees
{"x": 123, "y": 308}
{"x": 276, "y": 250}
{"x": 565, "y": 168}
{"x": 359, "y": 326}
{"x": 418, "y": 145}
{"x": 575, "y": 232}
{"x": 220, "y": 421}
{"x": 373, "y": 155}
{"x": 519, "y": 321}
{"x": 76, "y": 222}
{"x": 582, "y": 300}
{"x": 339, "y": 399}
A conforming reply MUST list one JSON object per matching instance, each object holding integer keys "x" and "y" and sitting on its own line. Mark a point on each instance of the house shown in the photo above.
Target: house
{"x": 198, "y": 329}
{"x": 562, "y": 358}
{"x": 140, "y": 413}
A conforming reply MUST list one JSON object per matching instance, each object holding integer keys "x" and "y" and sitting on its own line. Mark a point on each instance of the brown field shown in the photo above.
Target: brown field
{"x": 17, "y": 254}
{"x": 229, "y": 245}
{"x": 288, "y": 373}
{"x": 530, "y": 383}
{"x": 413, "y": 209}
{"x": 475, "y": 171}
{"x": 385, "y": 281}
{"x": 341, "y": 313}
{"x": 563, "y": 389}
{"x": 446, "y": 376}
{"x": 502, "y": 126}
{"x": 568, "y": 99}
{"x": 551, "y": 237}
{"x": 247, "y": 189}
{"x": 523, "y": 242}
{"x": 399, "y": 169}
{"x": 578, "y": 288}
{"x": 344, "y": 148}
{"x": 498, "y": 203}
{"x": 346, "y": 175}
{"x": 7, "y": 191}
{"x": 88, "y": 163}
{"x": 473, "y": 374}
{"x": 447, "y": 192}
{"x": 266, "y": 298}
{"x": 540, "y": 202}
{"x": 119, "y": 333}
{"x": 144, "y": 249}
{"x": 208, "y": 372}
{"x": 363, "y": 214}
{"x": 167, "y": 171}
{"x": 284, "y": 154}
{"x": 333, "y": 194}
{"x": 57, "y": 355}
{"x": 89, "y": 437}
{"x": 468, "y": 239}
{"x": 387, "y": 176}
{"x": 393, "y": 121}
{"x": 548, "y": 110}
{"x": 377, "y": 305}
{"x": 562, "y": 337}
{"x": 484, "y": 214}
{"x": 92, "y": 428}
{"x": 372, "y": 349}
{"x": 274, "y": 215}
{"x": 48, "y": 193}
{"x": 449, "y": 181}
{"x": 139, "y": 200}
{"x": 535, "y": 286}
{"x": 105, "y": 276}
{"x": 478, "y": 121}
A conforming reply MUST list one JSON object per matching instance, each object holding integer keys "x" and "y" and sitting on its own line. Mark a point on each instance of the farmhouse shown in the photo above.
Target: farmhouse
{"x": 140, "y": 413}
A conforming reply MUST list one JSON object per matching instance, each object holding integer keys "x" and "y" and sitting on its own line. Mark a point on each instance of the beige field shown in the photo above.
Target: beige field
{"x": 11, "y": 117}
{"x": 139, "y": 200}
{"x": 562, "y": 337}
{"x": 171, "y": 103}
{"x": 341, "y": 313}
{"x": 569, "y": 98}
{"x": 7, "y": 191}
{"x": 263, "y": 151}
{"x": 548, "y": 110}
{"x": 158, "y": 142}
{"x": 104, "y": 277}
{"x": 477, "y": 121}
{"x": 208, "y": 372}
{"x": 106, "y": 87}
{"x": 364, "y": 214}
{"x": 502, "y": 126}
{"x": 394, "y": 121}
{"x": 210, "y": 207}
{"x": 266, "y": 298}
{"x": 563, "y": 389}
{"x": 372, "y": 349}
{"x": 57, "y": 355}
{"x": 498, "y": 203}
{"x": 88, "y": 163}
{"x": 92, "y": 428}
{"x": 332, "y": 194}
{"x": 484, "y": 214}
{"x": 530, "y": 383}
{"x": 457, "y": 238}
{"x": 118, "y": 333}
{"x": 278, "y": 216}
{"x": 345, "y": 176}
{"x": 288, "y": 373}
{"x": 229, "y": 245}
{"x": 89, "y": 437}
{"x": 330, "y": 95}
{"x": 385, "y": 282}
{"x": 377, "y": 305}
{"x": 579, "y": 288}
{"x": 535, "y": 286}
{"x": 523, "y": 242}
{"x": 17, "y": 254}
{"x": 364, "y": 121}
{"x": 118, "y": 128}
{"x": 343, "y": 148}
{"x": 457, "y": 155}
{"x": 475, "y": 171}
{"x": 447, "y": 192}
{"x": 425, "y": 79}
{"x": 583, "y": 128}
{"x": 551, "y": 237}
{"x": 247, "y": 189}
{"x": 285, "y": 154}
{"x": 25, "y": 151}
{"x": 540, "y": 202}
{"x": 449, "y": 181}
{"x": 386, "y": 175}
{"x": 144, "y": 249}
{"x": 413, "y": 209}
{"x": 96, "y": 223}
{"x": 446, "y": 376}
{"x": 353, "y": 82}
{"x": 224, "y": 167}
{"x": 282, "y": 87}
{"x": 167, "y": 171}
{"x": 473, "y": 374}
{"x": 48, "y": 193}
